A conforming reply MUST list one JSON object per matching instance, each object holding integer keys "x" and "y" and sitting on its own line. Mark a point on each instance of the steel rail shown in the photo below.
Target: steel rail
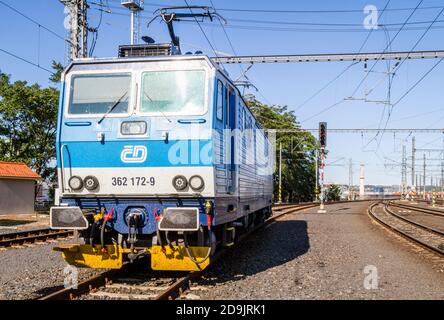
{"x": 178, "y": 286}
{"x": 420, "y": 225}
{"x": 182, "y": 283}
{"x": 431, "y": 211}
{"x": 401, "y": 233}
{"x": 30, "y": 236}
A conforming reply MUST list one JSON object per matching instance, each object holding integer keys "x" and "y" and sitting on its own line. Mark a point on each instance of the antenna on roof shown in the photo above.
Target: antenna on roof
{"x": 171, "y": 14}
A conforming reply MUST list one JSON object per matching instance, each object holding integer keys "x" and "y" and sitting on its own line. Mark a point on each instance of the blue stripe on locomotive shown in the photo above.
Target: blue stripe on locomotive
{"x": 88, "y": 154}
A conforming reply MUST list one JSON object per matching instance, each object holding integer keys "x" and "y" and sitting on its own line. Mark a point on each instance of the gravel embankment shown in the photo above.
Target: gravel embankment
{"x": 305, "y": 256}
{"x": 323, "y": 256}
{"x": 16, "y": 223}
{"x": 28, "y": 273}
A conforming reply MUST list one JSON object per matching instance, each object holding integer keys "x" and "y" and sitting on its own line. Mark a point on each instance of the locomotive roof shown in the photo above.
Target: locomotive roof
{"x": 112, "y": 60}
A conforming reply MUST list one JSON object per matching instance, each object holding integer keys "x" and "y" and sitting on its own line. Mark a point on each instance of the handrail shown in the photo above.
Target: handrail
{"x": 62, "y": 169}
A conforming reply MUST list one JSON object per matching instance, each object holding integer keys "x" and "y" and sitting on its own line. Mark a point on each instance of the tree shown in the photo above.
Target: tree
{"x": 298, "y": 151}
{"x": 333, "y": 192}
{"x": 28, "y": 117}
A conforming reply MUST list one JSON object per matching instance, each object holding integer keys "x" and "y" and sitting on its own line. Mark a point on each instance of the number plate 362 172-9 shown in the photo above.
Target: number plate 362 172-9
{"x": 133, "y": 181}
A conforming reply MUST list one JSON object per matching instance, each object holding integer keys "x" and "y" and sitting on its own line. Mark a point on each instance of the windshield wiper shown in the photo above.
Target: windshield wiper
{"x": 149, "y": 98}
{"x": 112, "y": 108}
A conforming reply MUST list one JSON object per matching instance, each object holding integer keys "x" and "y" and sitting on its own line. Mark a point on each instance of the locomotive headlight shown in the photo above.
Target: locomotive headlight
{"x": 75, "y": 183}
{"x": 91, "y": 183}
{"x": 180, "y": 183}
{"x": 196, "y": 182}
{"x": 133, "y": 128}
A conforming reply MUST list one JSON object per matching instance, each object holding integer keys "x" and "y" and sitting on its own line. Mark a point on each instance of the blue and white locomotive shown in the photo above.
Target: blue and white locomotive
{"x": 157, "y": 156}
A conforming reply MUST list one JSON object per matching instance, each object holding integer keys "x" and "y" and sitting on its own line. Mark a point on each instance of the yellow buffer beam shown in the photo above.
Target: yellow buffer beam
{"x": 87, "y": 256}
{"x": 175, "y": 258}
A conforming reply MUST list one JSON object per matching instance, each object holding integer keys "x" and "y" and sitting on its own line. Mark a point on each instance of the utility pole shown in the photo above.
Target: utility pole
{"x": 77, "y": 25}
{"x": 442, "y": 172}
{"x": 280, "y": 173}
{"x": 404, "y": 173}
{"x": 362, "y": 183}
{"x": 323, "y": 143}
{"x": 424, "y": 176}
{"x": 350, "y": 179}
{"x": 442, "y": 178}
{"x": 135, "y": 6}
{"x": 413, "y": 162}
{"x": 317, "y": 174}
{"x": 416, "y": 184}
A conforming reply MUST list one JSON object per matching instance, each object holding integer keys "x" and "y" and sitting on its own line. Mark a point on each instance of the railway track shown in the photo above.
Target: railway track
{"x": 431, "y": 211}
{"x": 22, "y": 238}
{"x": 128, "y": 284}
{"x": 424, "y": 235}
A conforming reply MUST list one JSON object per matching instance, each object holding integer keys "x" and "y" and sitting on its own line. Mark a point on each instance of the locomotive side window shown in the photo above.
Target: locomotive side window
{"x": 174, "y": 92}
{"x": 99, "y": 94}
{"x": 220, "y": 100}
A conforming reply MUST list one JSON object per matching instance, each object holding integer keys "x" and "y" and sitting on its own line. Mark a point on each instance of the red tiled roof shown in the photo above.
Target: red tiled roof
{"x": 17, "y": 170}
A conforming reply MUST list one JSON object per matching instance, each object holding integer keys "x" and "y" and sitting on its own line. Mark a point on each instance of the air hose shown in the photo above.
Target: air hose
{"x": 187, "y": 250}
{"x": 92, "y": 233}
{"x": 102, "y": 233}
{"x": 106, "y": 217}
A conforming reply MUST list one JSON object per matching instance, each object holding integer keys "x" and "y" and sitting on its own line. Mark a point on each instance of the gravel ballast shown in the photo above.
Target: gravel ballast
{"x": 310, "y": 255}
{"x": 306, "y": 255}
{"x": 29, "y": 273}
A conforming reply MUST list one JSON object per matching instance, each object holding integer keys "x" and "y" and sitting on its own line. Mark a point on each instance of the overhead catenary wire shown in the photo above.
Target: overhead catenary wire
{"x": 201, "y": 29}
{"x": 96, "y": 31}
{"x": 388, "y": 46}
{"x": 228, "y": 38}
{"x": 316, "y": 30}
{"x": 418, "y": 82}
{"x": 362, "y": 81}
{"x": 340, "y": 74}
{"x": 36, "y": 23}
{"x": 25, "y": 60}
{"x": 326, "y": 11}
{"x": 390, "y": 107}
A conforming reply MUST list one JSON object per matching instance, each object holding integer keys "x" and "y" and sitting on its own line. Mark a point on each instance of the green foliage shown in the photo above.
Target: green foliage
{"x": 28, "y": 116}
{"x": 333, "y": 193}
{"x": 298, "y": 151}
{"x": 58, "y": 69}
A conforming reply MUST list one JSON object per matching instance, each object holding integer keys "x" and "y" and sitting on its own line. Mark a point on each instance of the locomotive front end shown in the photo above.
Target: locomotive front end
{"x": 134, "y": 159}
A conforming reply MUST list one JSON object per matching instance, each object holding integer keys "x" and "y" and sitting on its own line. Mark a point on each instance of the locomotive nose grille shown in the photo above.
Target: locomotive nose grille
{"x": 180, "y": 219}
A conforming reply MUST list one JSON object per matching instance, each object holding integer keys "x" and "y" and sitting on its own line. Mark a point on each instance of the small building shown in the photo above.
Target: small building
{"x": 17, "y": 188}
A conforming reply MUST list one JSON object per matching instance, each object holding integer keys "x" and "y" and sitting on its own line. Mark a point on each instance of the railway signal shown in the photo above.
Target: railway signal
{"x": 323, "y": 143}
{"x": 323, "y": 134}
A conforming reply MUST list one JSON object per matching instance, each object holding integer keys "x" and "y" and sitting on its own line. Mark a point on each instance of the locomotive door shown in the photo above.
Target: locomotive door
{"x": 231, "y": 125}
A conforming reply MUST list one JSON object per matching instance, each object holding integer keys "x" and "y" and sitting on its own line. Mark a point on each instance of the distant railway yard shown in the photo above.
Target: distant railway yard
{"x": 356, "y": 250}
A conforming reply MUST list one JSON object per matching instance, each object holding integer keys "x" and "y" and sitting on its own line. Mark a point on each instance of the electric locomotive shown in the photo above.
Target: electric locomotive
{"x": 157, "y": 156}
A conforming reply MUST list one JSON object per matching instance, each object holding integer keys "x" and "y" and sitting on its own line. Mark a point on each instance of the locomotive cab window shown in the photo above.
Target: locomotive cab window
{"x": 173, "y": 92}
{"x": 96, "y": 94}
{"x": 220, "y": 100}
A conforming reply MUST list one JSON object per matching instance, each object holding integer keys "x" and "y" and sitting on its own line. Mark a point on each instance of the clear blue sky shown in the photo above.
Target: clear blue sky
{"x": 283, "y": 84}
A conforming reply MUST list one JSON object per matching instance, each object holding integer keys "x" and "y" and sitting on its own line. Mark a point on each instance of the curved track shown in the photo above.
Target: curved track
{"x": 115, "y": 285}
{"x": 429, "y": 211}
{"x": 419, "y": 233}
{"x": 31, "y": 236}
